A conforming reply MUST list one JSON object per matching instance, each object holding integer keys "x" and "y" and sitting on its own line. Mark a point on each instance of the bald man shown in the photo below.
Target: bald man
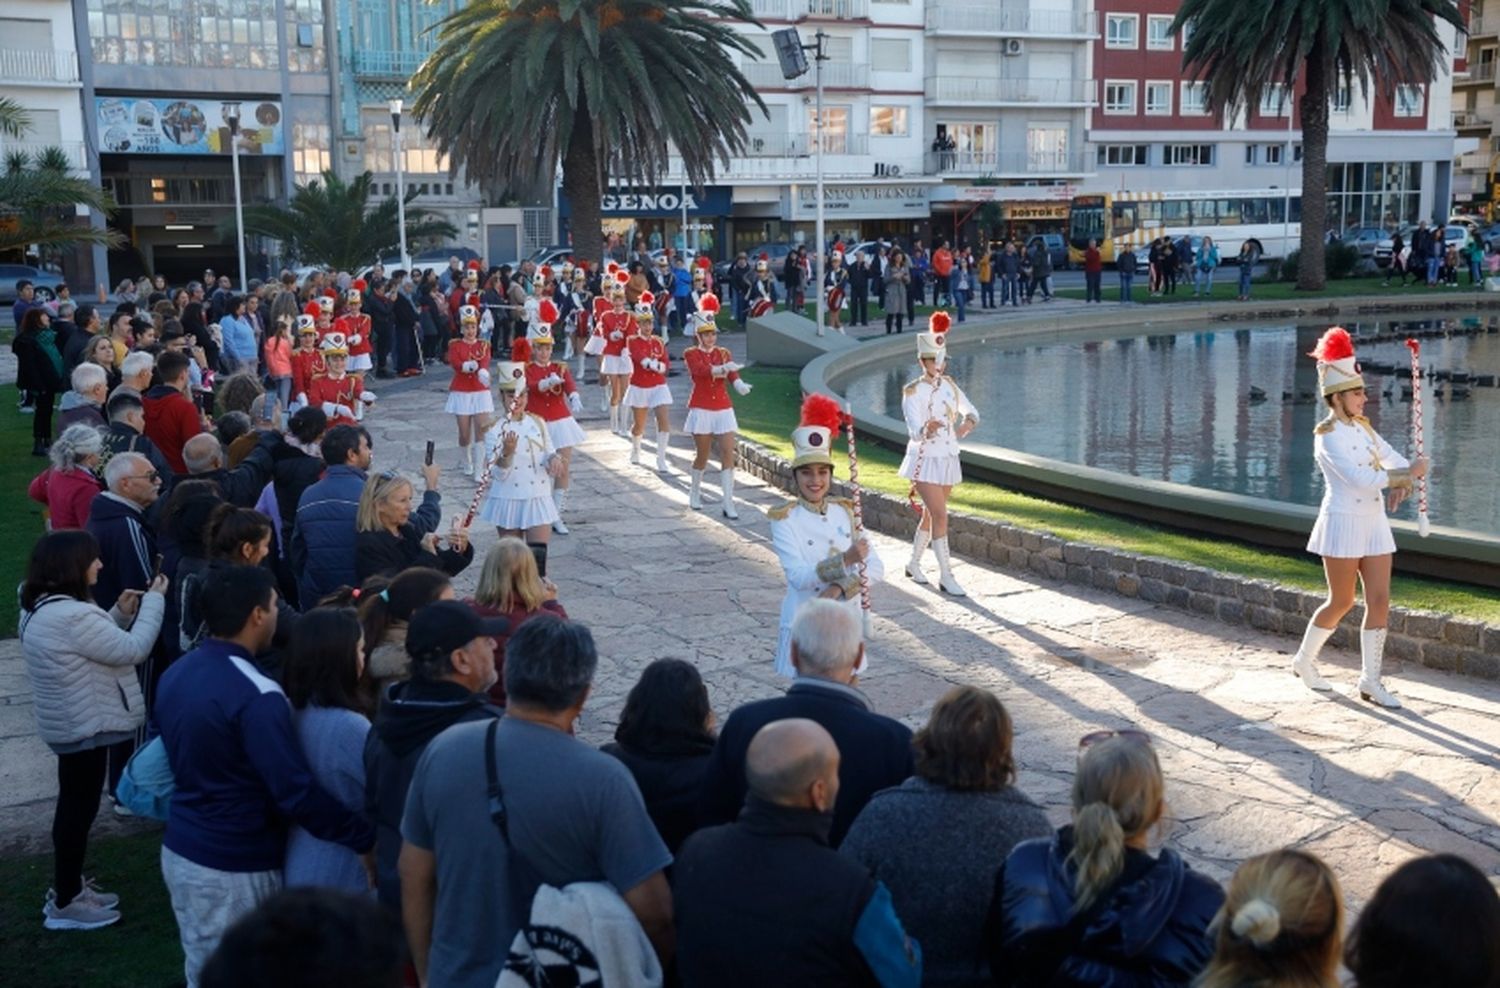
{"x": 765, "y": 900}
{"x": 204, "y": 458}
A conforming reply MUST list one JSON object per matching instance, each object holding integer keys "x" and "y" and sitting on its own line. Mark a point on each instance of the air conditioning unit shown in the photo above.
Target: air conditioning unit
{"x": 1013, "y": 46}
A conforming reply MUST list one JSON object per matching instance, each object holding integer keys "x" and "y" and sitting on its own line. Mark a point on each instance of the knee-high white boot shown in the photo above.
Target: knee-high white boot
{"x": 560, "y": 498}
{"x": 1304, "y": 663}
{"x": 604, "y": 404}
{"x": 479, "y": 462}
{"x": 695, "y": 493}
{"x": 945, "y": 568}
{"x": 635, "y": 450}
{"x": 918, "y": 546}
{"x": 1371, "y": 653}
{"x": 466, "y": 460}
{"x": 726, "y": 484}
{"x": 662, "y": 436}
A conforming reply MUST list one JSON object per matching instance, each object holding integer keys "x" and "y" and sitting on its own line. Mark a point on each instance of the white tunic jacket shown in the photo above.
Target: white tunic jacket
{"x": 81, "y": 662}
{"x": 921, "y": 401}
{"x": 803, "y": 538}
{"x": 1357, "y": 465}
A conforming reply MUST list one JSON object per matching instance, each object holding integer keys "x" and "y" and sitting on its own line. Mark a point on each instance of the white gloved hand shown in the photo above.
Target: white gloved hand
{"x": 484, "y": 377}
{"x": 661, "y": 366}
{"x": 354, "y": 339}
{"x": 551, "y": 382}
{"x": 720, "y": 371}
{"x": 301, "y": 400}
{"x": 368, "y": 397}
{"x": 732, "y": 367}
{"x": 741, "y": 386}
{"x": 469, "y": 366}
{"x": 575, "y": 404}
{"x": 331, "y": 409}
{"x": 617, "y": 336}
{"x": 343, "y": 411}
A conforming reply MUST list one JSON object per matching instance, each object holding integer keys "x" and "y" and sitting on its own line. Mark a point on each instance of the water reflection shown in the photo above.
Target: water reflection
{"x": 1179, "y": 407}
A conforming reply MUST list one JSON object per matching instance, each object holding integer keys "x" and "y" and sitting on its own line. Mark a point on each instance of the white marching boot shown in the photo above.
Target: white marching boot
{"x": 726, "y": 484}
{"x": 1371, "y": 653}
{"x": 466, "y": 460}
{"x": 695, "y": 493}
{"x": 1304, "y": 663}
{"x": 479, "y": 462}
{"x": 661, "y": 451}
{"x": 635, "y": 450}
{"x": 945, "y": 569}
{"x": 560, "y": 498}
{"x": 918, "y": 546}
{"x": 604, "y": 404}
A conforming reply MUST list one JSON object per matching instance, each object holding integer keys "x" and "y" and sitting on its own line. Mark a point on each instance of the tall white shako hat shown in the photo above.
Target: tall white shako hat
{"x": 565, "y": 270}
{"x": 542, "y": 276}
{"x": 616, "y": 288}
{"x": 334, "y": 345}
{"x": 763, "y": 262}
{"x": 934, "y": 342}
{"x": 307, "y": 325}
{"x": 812, "y": 441}
{"x": 546, "y": 315}
{"x": 356, "y": 293}
{"x": 468, "y": 314}
{"x": 700, "y": 268}
{"x": 510, "y": 375}
{"x": 471, "y": 273}
{"x": 581, "y": 273}
{"x": 708, "y": 311}
{"x": 1337, "y": 370}
{"x": 325, "y": 304}
{"x": 644, "y": 311}
{"x": 837, "y": 257}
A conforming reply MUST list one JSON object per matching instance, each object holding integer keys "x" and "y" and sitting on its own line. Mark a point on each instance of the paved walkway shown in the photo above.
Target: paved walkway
{"x": 1253, "y": 761}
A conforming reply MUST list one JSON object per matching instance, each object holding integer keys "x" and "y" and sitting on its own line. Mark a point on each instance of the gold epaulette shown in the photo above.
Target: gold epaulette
{"x": 911, "y": 388}
{"x": 541, "y": 422}
{"x": 1324, "y": 427}
{"x": 780, "y": 512}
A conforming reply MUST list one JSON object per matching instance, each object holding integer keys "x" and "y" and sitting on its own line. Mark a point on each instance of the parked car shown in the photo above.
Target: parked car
{"x": 46, "y": 282}
{"x": 1364, "y": 238}
{"x": 1057, "y": 247}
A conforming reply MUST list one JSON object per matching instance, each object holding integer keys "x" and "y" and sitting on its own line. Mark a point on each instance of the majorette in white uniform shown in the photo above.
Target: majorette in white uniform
{"x": 1358, "y": 466}
{"x": 810, "y": 541}
{"x": 934, "y": 459}
{"x": 520, "y": 494}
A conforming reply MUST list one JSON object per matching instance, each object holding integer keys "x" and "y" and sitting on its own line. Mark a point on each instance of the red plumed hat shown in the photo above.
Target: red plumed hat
{"x": 764, "y": 256}
{"x": 520, "y": 351}
{"x": 939, "y": 322}
{"x": 822, "y": 411}
{"x": 474, "y": 264}
{"x": 359, "y": 285}
{"x": 703, "y": 262}
{"x": 546, "y": 311}
{"x": 709, "y": 304}
{"x": 331, "y": 292}
{"x": 646, "y": 299}
{"x": 1335, "y": 345}
{"x": 622, "y": 277}
{"x": 313, "y": 309}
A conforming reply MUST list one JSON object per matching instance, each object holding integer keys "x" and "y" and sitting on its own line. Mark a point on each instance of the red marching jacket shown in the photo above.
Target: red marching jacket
{"x": 461, "y": 350}
{"x": 306, "y": 365}
{"x": 709, "y": 392}
{"x": 344, "y": 391}
{"x": 551, "y": 404}
{"x": 642, "y": 348}
{"x": 616, "y": 322}
{"x": 352, "y": 325}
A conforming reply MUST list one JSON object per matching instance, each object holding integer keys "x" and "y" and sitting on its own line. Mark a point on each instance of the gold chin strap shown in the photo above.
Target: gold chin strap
{"x": 821, "y": 508}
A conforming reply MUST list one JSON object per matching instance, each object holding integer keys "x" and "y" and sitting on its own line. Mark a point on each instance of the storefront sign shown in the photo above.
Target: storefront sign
{"x": 185, "y": 126}
{"x": 662, "y": 203}
{"x": 872, "y": 202}
{"x": 1036, "y": 210}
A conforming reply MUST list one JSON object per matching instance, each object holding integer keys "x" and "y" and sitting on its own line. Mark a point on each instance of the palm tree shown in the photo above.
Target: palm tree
{"x": 604, "y": 86}
{"x": 1240, "y": 49}
{"x": 330, "y": 223}
{"x": 38, "y": 195}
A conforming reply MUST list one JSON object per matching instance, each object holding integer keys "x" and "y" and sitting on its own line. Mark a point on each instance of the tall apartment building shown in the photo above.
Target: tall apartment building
{"x": 1476, "y": 108}
{"x": 1390, "y": 155}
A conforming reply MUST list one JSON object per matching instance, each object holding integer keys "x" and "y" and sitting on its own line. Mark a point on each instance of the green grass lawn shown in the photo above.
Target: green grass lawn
{"x": 1226, "y": 286}
{"x": 769, "y": 413}
{"x": 19, "y": 526}
{"x": 140, "y": 951}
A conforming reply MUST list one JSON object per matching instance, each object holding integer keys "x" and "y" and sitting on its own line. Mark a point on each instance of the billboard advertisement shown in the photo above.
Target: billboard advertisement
{"x": 128, "y": 125}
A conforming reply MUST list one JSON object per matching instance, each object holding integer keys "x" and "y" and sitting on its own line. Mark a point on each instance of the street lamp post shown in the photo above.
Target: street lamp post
{"x": 231, "y": 112}
{"x": 818, "y": 59}
{"x": 400, "y": 180}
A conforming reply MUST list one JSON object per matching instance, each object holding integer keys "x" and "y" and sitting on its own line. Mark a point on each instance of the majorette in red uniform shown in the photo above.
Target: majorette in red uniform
{"x": 338, "y": 392}
{"x": 469, "y": 396}
{"x": 612, "y": 332}
{"x": 458, "y": 295}
{"x": 307, "y": 362}
{"x": 648, "y": 389}
{"x": 710, "y": 417}
{"x": 552, "y": 394}
{"x": 355, "y": 326}
{"x": 321, "y": 309}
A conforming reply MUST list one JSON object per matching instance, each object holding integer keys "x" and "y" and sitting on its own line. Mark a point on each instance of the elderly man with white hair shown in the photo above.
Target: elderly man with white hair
{"x": 826, "y": 646}
{"x": 84, "y": 404}
{"x": 135, "y": 371}
{"x": 127, "y": 546}
{"x": 205, "y": 459}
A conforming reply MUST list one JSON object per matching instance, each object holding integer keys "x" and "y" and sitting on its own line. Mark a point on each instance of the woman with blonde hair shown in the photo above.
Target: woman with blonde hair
{"x": 1282, "y": 925}
{"x": 511, "y": 586}
{"x": 389, "y": 539}
{"x": 1090, "y": 905}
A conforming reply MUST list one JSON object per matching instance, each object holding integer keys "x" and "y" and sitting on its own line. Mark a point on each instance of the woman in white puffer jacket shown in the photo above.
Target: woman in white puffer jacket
{"x": 81, "y": 662}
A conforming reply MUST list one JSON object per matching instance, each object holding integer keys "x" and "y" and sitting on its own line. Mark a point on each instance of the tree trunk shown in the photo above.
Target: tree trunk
{"x": 584, "y": 188}
{"x": 1314, "y": 107}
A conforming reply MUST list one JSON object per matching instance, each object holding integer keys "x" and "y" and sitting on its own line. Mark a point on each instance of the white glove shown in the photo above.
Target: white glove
{"x": 659, "y": 366}
{"x": 741, "y": 386}
{"x": 334, "y": 410}
{"x": 551, "y": 382}
{"x": 469, "y": 366}
{"x": 575, "y": 404}
{"x": 368, "y": 397}
{"x": 354, "y": 339}
{"x": 301, "y": 400}
{"x": 484, "y": 377}
{"x": 731, "y": 367}
{"x": 617, "y": 336}
{"x": 720, "y": 371}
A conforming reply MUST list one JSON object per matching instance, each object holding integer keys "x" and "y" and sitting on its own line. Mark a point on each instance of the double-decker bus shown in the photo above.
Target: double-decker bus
{"x": 1122, "y": 221}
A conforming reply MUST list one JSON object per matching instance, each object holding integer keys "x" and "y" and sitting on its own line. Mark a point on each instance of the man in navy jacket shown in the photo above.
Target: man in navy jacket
{"x": 241, "y": 777}
{"x": 322, "y": 541}
{"x": 875, "y": 751}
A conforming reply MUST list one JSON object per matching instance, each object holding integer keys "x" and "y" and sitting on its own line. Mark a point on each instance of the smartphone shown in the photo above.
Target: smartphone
{"x": 206, "y": 402}
{"x": 156, "y": 566}
{"x": 431, "y": 447}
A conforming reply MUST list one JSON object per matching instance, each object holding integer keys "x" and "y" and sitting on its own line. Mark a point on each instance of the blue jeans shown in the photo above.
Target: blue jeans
{"x": 1012, "y": 290}
{"x": 1475, "y": 274}
{"x": 1245, "y": 272}
{"x": 960, "y": 298}
{"x": 1432, "y": 270}
{"x": 1203, "y": 279}
{"x": 741, "y": 310}
{"x": 1125, "y": 280}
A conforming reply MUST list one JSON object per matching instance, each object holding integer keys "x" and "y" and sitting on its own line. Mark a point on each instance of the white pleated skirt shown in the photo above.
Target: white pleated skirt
{"x": 469, "y": 402}
{"x": 518, "y": 514}
{"x": 943, "y": 470}
{"x": 1339, "y": 535}
{"x": 617, "y": 363}
{"x": 648, "y": 397}
{"x": 710, "y": 422}
{"x": 565, "y": 432}
{"x": 359, "y": 362}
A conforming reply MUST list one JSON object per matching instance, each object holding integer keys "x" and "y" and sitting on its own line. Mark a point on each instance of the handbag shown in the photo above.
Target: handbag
{"x": 147, "y": 784}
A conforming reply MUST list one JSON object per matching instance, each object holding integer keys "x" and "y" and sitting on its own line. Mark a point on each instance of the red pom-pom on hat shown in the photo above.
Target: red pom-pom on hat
{"x": 313, "y": 309}
{"x": 646, "y": 299}
{"x": 547, "y": 311}
{"x": 1335, "y": 345}
{"x": 939, "y": 322}
{"x": 359, "y": 285}
{"x": 821, "y": 410}
{"x": 330, "y": 293}
{"x": 709, "y": 303}
{"x": 473, "y": 264}
{"x": 622, "y": 278}
{"x": 703, "y": 262}
{"x": 764, "y": 256}
{"x": 520, "y": 350}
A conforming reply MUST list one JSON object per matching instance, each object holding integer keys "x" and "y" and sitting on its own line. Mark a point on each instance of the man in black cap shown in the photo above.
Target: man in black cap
{"x": 452, "y": 665}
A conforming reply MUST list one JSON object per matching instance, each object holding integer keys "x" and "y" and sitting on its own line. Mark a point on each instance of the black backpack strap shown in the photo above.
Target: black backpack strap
{"x": 492, "y": 780}
{"x": 522, "y": 876}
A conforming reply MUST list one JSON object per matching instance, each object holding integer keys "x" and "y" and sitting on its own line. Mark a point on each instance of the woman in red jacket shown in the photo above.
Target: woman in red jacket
{"x": 616, "y": 327}
{"x": 67, "y": 488}
{"x": 307, "y": 363}
{"x": 469, "y": 398}
{"x": 710, "y": 417}
{"x": 648, "y": 383}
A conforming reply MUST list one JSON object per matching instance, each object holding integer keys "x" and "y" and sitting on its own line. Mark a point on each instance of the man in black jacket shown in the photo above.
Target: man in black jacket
{"x": 241, "y": 486}
{"x": 859, "y": 290}
{"x": 127, "y": 433}
{"x": 876, "y": 750}
{"x": 378, "y": 306}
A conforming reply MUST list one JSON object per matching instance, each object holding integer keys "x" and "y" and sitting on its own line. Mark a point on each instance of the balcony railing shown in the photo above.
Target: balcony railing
{"x": 184, "y": 190}
{"x": 38, "y": 65}
{"x": 778, "y": 145}
{"x": 1007, "y": 163}
{"x": 1478, "y": 73}
{"x": 972, "y": 19}
{"x": 1004, "y": 92}
{"x": 1481, "y": 26}
{"x": 1468, "y": 120}
{"x": 77, "y": 154}
{"x": 847, "y": 157}
{"x": 836, "y": 75}
{"x": 822, "y": 10}
{"x": 388, "y": 64}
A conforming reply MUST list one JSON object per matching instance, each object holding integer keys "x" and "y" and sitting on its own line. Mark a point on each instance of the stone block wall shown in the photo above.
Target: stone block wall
{"x": 1440, "y": 641}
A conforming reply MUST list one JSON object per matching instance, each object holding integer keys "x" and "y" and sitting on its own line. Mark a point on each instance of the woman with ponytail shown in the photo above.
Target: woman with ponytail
{"x": 1282, "y": 925}
{"x": 1090, "y": 906}
{"x": 385, "y": 607}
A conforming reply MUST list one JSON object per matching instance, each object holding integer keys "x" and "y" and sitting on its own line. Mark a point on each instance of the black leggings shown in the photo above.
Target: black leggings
{"x": 80, "y": 778}
{"x": 41, "y": 421}
{"x": 893, "y": 315}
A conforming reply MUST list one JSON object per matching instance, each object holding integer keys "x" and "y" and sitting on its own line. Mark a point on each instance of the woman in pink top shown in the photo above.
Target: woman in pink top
{"x": 68, "y": 487}
{"x": 278, "y": 354}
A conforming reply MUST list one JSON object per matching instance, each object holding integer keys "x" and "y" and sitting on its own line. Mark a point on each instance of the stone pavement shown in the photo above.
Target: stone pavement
{"x": 1253, "y": 760}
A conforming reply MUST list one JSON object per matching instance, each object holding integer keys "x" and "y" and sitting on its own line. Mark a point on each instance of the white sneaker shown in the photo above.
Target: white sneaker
{"x": 120, "y": 809}
{"x": 90, "y": 892}
{"x": 80, "y": 914}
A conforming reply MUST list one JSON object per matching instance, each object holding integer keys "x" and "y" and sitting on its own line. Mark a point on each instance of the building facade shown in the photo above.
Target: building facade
{"x": 1476, "y": 114}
